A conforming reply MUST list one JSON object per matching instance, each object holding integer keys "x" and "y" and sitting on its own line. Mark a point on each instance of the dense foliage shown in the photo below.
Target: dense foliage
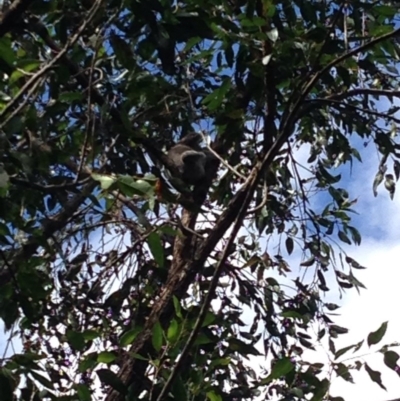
{"x": 119, "y": 287}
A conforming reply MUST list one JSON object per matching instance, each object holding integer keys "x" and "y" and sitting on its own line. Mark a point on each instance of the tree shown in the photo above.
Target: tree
{"x": 107, "y": 273}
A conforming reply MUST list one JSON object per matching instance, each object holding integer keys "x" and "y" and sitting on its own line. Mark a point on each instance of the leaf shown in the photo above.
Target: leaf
{"x": 281, "y": 368}
{"x": 109, "y": 378}
{"x": 133, "y": 186}
{"x": 240, "y": 346}
{"x": 202, "y": 339}
{"x": 177, "y": 307}
{"x": 343, "y": 237}
{"x": 157, "y": 337}
{"x": 376, "y": 336}
{"x": 7, "y": 382}
{"x": 88, "y": 363}
{"x": 76, "y": 340}
{"x": 215, "y": 99}
{"x": 156, "y": 248}
{"x": 338, "y": 329}
{"x": 209, "y": 319}
{"x": 213, "y": 396}
{"x": 6, "y": 51}
{"x": 343, "y": 371}
{"x": 137, "y": 356}
{"x": 83, "y": 392}
{"x": 355, "y": 235}
{"x": 27, "y": 66}
{"x": 178, "y": 389}
{"x": 42, "y": 380}
{"x": 172, "y": 333}
{"x": 309, "y": 262}
{"x": 396, "y": 169}
{"x": 342, "y": 351}
{"x": 289, "y": 245}
{"x": 90, "y": 335}
{"x": 105, "y": 180}
{"x": 320, "y": 390}
{"x": 331, "y": 306}
{"x": 4, "y": 178}
{"x": 374, "y": 375}
{"x": 128, "y": 337}
{"x": 69, "y": 97}
{"x": 106, "y": 357}
{"x": 390, "y": 359}
{"x": 377, "y": 181}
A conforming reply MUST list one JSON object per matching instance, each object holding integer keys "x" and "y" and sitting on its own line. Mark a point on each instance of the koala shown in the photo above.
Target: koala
{"x": 189, "y": 159}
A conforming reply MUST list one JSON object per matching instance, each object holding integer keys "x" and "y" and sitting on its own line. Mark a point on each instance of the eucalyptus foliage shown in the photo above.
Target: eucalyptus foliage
{"x": 116, "y": 286}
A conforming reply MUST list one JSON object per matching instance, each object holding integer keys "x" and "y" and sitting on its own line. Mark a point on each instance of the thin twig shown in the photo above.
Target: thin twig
{"x": 227, "y": 165}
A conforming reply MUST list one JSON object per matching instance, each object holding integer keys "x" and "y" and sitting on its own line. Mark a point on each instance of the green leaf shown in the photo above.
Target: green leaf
{"x": 377, "y": 181}
{"x": 109, "y": 378}
{"x": 202, "y": 339}
{"x": 209, "y": 319}
{"x": 343, "y": 371}
{"x": 281, "y": 368}
{"x": 213, "y": 396}
{"x": 6, "y": 51}
{"x": 137, "y": 356}
{"x": 391, "y": 358}
{"x": 128, "y": 337}
{"x": 105, "y": 180}
{"x": 309, "y": 262}
{"x": 157, "y": 337}
{"x": 69, "y": 97}
{"x": 4, "y": 178}
{"x": 76, "y": 340}
{"x": 342, "y": 351}
{"x": 178, "y": 389}
{"x": 106, "y": 357}
{"x": 343, "y": 237}
{"x": 88, "y": 363}
{"x": 289, "y": 245}
{"x": 240, "y": 346}
{"x": 42, "y": 380}
{"x": 156, "y": 248}
{"x": 89, "y": 335}
{"x": 133, "y": 186}
{"x": 376, "y": 336}
{"x": 173, "y": 333}
{"x": 30, "y": 65}
{"x": 215, "y": 99}
{"x": 83, "y": 392}
{"x": 7, "y": 381}
{"x": 374, "y": 375}
{"x": 177, "y": 307}
{"x": 355, "y": 235}
{"x": 321, "y": 390}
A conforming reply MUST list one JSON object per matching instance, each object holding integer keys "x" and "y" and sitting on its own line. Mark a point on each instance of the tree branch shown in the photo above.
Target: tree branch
{"x": 289, "y": 121}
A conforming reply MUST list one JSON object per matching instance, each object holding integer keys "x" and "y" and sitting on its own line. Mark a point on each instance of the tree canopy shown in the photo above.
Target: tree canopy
{"x": 120, "y": 285}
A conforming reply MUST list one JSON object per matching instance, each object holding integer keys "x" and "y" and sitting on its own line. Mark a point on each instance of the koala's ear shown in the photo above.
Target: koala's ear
{"x": 194, "y": 157}
{"x": 192, "y": 139}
